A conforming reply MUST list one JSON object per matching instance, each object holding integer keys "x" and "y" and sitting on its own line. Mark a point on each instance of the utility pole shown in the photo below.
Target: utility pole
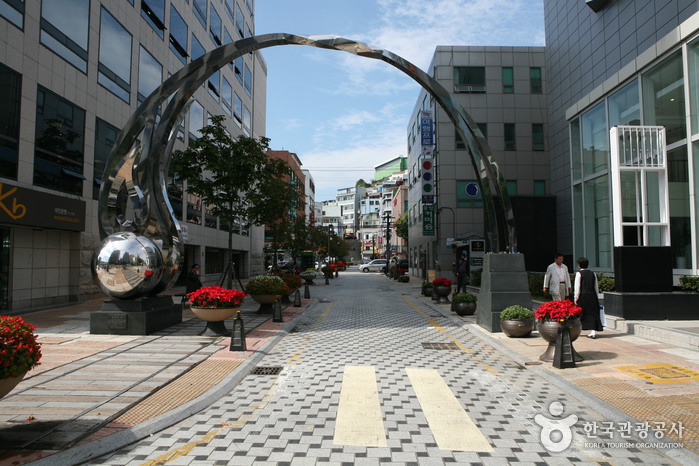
{"x": 387, "y": 217}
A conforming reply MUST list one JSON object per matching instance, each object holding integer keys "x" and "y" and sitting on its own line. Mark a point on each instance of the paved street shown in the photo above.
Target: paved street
{"x": 372, "y": 372}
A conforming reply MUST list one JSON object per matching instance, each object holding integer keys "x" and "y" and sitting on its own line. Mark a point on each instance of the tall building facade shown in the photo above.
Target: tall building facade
{"x": 631, "y": 62}
{"x": 71, "y": 74}
{"x": 503, "y": 89}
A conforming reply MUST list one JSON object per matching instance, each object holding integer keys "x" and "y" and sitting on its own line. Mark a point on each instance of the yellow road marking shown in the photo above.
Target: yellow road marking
{"x": 359, "y": 418}
{"x": 452, "y": 428}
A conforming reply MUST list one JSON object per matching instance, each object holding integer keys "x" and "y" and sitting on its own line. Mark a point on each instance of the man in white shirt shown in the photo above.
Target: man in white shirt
{"x": 557, "y": 279}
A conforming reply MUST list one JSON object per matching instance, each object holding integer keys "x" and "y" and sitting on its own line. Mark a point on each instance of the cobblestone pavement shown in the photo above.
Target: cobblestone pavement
{"x": 374, "y": 373}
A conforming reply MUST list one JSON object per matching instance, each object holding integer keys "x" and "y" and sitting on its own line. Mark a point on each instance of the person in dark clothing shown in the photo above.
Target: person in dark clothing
{"x": 193, "y": 281}
{"x": 461, "y": 269}
{"x": 586, "y": 296}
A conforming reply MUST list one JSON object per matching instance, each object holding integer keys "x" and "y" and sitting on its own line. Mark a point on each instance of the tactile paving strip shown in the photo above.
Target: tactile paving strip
{"x": 661, "y": 373}
{"x": 652, "y": 409}
{"x": 183, "y": 389}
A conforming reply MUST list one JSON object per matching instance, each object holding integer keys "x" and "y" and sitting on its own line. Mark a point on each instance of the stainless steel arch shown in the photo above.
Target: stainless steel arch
{"x": 133, "y": 197}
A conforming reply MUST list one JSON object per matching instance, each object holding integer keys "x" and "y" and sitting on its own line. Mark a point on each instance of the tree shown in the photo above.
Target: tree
{"x": 234, "y": 177}
{"x": 401, "y": 225}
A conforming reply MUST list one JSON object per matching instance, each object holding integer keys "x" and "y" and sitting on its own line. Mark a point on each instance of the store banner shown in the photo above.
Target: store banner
{"x": 26, "y": 207}
{"x": 428, "y": 225}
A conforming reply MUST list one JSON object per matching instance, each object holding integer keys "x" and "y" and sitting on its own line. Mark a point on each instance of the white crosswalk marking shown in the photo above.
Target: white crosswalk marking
{"x": 359, "y": 419}
{"x": 452, "y": 428}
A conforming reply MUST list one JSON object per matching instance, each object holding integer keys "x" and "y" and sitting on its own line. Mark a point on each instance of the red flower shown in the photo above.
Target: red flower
{"x": 148, "y": 273}
{"x": 19, "y": 351}
{"x": 215, "y": 296}
{"x": 441, "y": 281}
{"x": 558, "y": 311}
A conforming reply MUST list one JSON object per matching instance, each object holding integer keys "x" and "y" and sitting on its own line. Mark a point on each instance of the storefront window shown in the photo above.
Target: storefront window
{"x": 663, "y": 98}
{"x": 680, "y": 226}
{"x": 597, "y": 222}
{"x": 624, "y": 106}
{"x": 595, "y": 141}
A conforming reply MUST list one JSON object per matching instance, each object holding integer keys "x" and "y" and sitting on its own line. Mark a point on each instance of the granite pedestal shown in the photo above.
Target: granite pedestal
{"x": 504, "y": 283}
{"x": 141, "y": 316}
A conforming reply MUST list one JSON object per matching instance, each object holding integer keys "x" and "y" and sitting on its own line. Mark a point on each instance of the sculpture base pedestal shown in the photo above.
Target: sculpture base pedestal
{"x": 504, "y": 283}
{"x": 141, "y": 316}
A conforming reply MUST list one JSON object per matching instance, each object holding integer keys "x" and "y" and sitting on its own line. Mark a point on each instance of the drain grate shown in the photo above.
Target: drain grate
{"x": 266, "y": 370}
{"x": 440, "y": 346}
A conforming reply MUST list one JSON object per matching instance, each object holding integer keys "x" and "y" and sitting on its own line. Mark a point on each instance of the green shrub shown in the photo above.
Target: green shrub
{"x": 689, "y": 283}
{"x": 464, "y": 298}
{"x": 475, "y": 277}
{"x": 536, "y": 285}
{"x": 516, "y": 312}
{"x": 606, "y": 283}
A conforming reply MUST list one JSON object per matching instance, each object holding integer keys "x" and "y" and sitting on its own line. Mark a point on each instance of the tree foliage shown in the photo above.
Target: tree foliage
{"x": 401, "y": 224}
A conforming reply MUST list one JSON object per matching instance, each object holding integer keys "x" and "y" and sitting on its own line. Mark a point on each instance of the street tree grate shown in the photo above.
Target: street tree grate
{"x": 441, "y": 346}
{"x": 266, "y": 370}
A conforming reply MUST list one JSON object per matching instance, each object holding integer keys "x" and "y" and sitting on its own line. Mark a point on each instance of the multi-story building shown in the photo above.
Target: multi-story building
{"x": 503, "y": 89}
{"x": 348, "y": 200}
{"x": 331, "y": 216}
{"x": 625, "y": 62}
{"x": 72, "y": 73}
{"x": 370, "y": 232}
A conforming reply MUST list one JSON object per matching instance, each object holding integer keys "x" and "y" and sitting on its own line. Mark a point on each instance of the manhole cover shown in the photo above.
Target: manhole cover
{"x": 440, "y": 346}
{"x": 266, "y": 370}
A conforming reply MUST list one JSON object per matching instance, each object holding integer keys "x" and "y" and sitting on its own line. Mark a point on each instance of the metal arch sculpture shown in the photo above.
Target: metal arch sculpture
{"x": 141, "y": 251}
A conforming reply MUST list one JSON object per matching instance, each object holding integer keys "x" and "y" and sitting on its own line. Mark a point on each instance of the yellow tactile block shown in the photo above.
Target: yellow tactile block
{"x": 661, "y": 373}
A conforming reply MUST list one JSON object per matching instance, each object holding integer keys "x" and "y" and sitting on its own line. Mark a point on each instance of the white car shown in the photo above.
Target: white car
{"x": 377, "y": 265}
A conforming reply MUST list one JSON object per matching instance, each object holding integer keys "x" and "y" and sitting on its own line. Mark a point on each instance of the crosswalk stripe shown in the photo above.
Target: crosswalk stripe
{"x": 359, "y": 419}
{"x": 452, "y": 428}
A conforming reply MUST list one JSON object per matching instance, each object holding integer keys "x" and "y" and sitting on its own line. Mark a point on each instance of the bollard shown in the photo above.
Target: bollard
{"x": 306, "y": 292}
{"x": 297, "y": 299}
{"x": 239, "y": 331}
{"x": 337, "y": 273}
{"x": 277, "y": 312}
{"x": 327, "y": 282}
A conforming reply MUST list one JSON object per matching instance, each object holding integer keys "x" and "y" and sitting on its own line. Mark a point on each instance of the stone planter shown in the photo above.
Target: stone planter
{"x": 549, "y": 332}
{"x": 266, "y": 302}
{"x": 214, "y": 317}
{"x": 464, "y": 309}
{"x": 517, "y": 328}
{"x": 9, "y": 383}
{"x": 442, "y": 292}
{"x": 426, "y": 291}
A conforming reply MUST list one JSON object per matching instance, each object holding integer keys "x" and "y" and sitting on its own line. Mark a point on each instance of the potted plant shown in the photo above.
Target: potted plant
{"x": 517, "y": 321}
{"x": 550, "y": 316}
{"x": 266, "y": 290}
{"x": 442, "y": 288}
{"x": 327, "y": 271}
{"x": 214, "y": 304}
{"x": 464, "y": 304}
{"x": 427, "y": 288}
{"x": 19, "y": 351}
{"x": 308, "y": 276}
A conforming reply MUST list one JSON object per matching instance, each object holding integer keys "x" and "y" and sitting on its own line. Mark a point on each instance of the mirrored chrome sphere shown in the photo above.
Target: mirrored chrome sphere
{"x": 126, "y": 265}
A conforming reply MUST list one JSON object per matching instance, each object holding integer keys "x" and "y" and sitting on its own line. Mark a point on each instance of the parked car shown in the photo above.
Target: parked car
{"x": 377, "y": 265}
{"x": 397, "y": 268}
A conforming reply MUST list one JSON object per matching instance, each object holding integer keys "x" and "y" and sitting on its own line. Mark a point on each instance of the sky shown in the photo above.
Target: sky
{"x": 342, "y": 114}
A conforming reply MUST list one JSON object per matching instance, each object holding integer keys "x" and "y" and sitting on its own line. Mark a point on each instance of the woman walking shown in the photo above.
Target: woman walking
{"x": 586, "y": 296}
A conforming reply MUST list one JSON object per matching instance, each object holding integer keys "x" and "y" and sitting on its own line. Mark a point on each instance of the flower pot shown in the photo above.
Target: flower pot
{"x": 442, "y": 291}
{"x": 9, "y": 383}
{"x": 549, "y": 332}
{"x": 266, "y": 302}
{"x": 214, "y": 317}
{"x": 308, "y": 280}
{"x": 464, "y": 309}
{"x": 426, "y": 291}
{"x": 517, "y": 328}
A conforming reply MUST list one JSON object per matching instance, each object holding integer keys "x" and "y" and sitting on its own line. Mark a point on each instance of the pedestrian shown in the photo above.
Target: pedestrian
{"x": 193, "y": 281}
{"x": 461, "y": 269}
{"x": 557, "y": 279}
{"x": 586, "y": 296}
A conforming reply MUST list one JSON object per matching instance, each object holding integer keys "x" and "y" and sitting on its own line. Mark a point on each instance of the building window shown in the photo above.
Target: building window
{"x": 539, "y": 187}
{"x": 595, "y": 141}
{"x": 215, "y": 85}
{"x": 238, "y": 69}
{"x": 510, "y": 137}
{"x": 150, "y": 74}
{"x": 248, "y": 81}
{"x": 59, "y": 145}
{"x": 153, "y": 11}
{"x": 239, "y": 21}
{"x": 511, "y": 186}
{"x": 196, "y": 120}
{"x": 535, "y": 81}
{"x": 178, "y": 35}
{"x": 214, "y": 260}
{"x": 469, "y": 79}
{"x": 114, "y": 69}
{"x": 693, "y": 54}
{"x": 64, "y": 30}
{"x": 537, "y": 136}
{"x": 13, "y": 11}
{"x": 227, "y": 96}
{"x": 247, "y": 121}
{"x": 215, "y": 27}
{"x": 197, "y": 49}
{"x": 199, "y": 8}
{"x": 625, "y": 106}
{"x": 237, "y": 109}
{"x": 105, "y": 138}
{"x": 663, "y": 97}
{"x": 10, "y": 101}
{"x": 230, "y": 10}
{"x": 508, "y": 80}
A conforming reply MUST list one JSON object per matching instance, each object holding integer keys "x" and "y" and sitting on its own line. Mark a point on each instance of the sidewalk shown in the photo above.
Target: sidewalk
{"x": 96, "y": 393}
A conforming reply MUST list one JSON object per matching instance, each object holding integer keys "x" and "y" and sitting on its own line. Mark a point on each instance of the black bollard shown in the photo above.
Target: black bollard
{"x": 337, "y": 273}
{"x": 306, "y": 292}
{"x": 327, "y": 282}
{"x": 239, "y": 333}
{"x": 277, "y": 312}
{"x": 297, "y": 298}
